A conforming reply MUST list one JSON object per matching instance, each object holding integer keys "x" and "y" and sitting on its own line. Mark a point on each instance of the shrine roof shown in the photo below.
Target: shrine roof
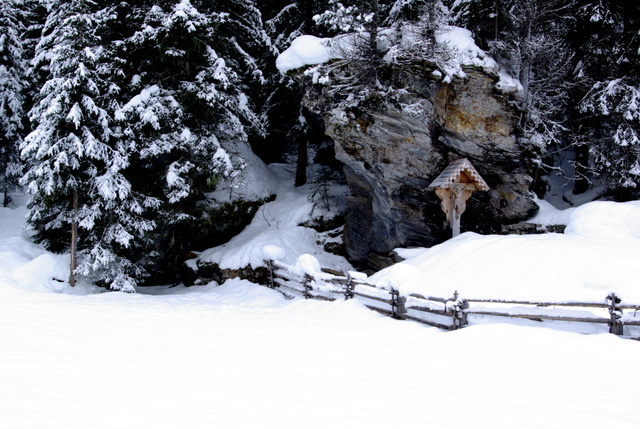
{"x": 460, "y": 168}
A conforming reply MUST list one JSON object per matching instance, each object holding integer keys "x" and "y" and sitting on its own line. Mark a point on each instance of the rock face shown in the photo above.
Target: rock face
{"x": 394, "y": 143}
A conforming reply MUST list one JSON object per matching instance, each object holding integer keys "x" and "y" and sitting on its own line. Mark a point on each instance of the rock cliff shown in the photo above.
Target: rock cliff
{"x": 393, "y": 142}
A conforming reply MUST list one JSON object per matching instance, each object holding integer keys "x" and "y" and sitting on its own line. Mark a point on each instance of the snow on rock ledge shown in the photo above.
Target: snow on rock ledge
{"x": 461, "y": 51}
{"x": 304, "y": 51}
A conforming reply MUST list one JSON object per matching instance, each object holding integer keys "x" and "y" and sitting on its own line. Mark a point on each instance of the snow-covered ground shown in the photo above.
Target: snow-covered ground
{"x": 599, "y": 253}
{"x": 242, "y": 356}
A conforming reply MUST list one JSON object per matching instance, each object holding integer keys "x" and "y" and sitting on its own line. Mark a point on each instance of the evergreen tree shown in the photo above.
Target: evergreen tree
{"x": 286, "y": 20}
{"x": 362, "y": 19}
{"x": 12, "y": 90}
{"x": 76, "y": 157}
{"x": 282, "y": 96}
{"x": 69, "y": 127}
{"x": 608, "y": 123}
{"x": 183, "y": 109}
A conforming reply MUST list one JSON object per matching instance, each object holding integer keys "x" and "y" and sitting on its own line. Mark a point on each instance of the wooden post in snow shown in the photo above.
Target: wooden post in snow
{"x": 454, "y": 186}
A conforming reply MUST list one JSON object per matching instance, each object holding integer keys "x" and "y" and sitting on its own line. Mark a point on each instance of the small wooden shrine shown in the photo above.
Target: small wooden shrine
{"x": 454, "y": 186}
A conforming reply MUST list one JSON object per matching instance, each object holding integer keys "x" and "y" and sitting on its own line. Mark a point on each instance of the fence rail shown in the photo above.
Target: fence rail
{"x": 454, "y": 312}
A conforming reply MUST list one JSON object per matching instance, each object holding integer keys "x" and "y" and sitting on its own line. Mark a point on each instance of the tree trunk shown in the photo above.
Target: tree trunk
{"x": 307, "y": 7}
{"x": 74, "y": 239}
{"x": 301, "y": 166}
{"x": 496, "y": 21}
{"x": 581, "y": 184}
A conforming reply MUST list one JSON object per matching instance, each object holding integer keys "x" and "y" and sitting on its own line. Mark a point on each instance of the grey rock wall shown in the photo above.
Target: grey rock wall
{"x": 394, "y": 142}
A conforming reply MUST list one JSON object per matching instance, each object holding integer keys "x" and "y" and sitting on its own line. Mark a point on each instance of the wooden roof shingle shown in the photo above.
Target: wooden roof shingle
{"x": 450, "y": 176}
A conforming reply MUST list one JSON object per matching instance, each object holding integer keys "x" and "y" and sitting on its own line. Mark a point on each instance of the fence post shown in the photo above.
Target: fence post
{"x": 458, "y": 315}
{"x": 270, "y": 268}
{"x": 398, "y": 309}
{"x": 615, "y": 326}
{"x": 307, "y": 286}
{"x": 349, "y": 287}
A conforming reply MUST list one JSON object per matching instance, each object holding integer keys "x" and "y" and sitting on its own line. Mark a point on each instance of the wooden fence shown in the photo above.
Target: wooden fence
{"x": 455, "y": 312}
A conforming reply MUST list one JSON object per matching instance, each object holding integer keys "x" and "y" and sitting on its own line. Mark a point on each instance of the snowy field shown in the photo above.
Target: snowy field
{"x": 241, "y": 356}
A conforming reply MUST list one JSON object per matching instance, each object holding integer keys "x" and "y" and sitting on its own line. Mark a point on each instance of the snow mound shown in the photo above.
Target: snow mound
{"x": 307, "y": 264}
{"x": 606, "y": 219}
{"x": 273, "y": 252}
{"x": 549, "y": 215}
{"x": 460, "y": 42}
{"x": 463, "y": 51}
{"x": 47, "y": 271}
{"x": 599, "y": 254}
{"x": 546, "y": 267}
{"x": 594, "y": 219}
{"x": 275, "y": 231}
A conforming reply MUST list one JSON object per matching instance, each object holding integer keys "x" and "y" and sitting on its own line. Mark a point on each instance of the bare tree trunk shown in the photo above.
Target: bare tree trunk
{"x": 496, "y": 21}
{"x": 581, "y": 184}
{"x": 301, "y": 166}
{"x": 74, "y": 239}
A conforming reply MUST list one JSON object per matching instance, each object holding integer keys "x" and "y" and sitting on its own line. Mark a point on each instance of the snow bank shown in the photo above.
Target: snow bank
{"x": 276, "y": 228}
{"x": 599, "y": 254}
{"x": 606, "y": 219}
{"x": 27, "y": 266}
{"x": 549, "y": 215}
{"x": 595, "y": 219}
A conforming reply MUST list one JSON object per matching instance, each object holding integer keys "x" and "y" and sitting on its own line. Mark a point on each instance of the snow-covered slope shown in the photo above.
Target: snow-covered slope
{"x": 277, "y": 223}
{"x": 598, "y": 254}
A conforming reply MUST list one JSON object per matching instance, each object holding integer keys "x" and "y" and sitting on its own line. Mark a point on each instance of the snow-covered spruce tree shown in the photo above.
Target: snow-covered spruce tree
{"x": 12, "y": 90}
{"x": 363, "y": 21}
{"x": 608, "y": 51}
{"x": 75, "y": 164}
{"x": 286, "y": 20}
{"x": 423, "y": 18}
{"x": 244, "y": 43}
{"x": 182, "y": 112}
